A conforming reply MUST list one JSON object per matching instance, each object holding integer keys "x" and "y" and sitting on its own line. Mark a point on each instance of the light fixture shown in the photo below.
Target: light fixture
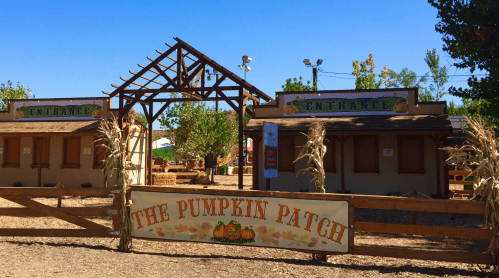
{"x": 314, "y": 68}
{"x": 244, "y": 65}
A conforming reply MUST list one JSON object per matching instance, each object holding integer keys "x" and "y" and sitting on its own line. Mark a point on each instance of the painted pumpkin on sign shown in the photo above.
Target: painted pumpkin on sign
{"x": 219, "y": 232}
{"x": 247, "y": 234}
{"x": 291, "y": 109}
{"x": 233, "y": 231}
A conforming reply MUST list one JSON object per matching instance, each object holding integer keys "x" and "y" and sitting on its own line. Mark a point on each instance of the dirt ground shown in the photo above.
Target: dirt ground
{"x": 98, "y": 257}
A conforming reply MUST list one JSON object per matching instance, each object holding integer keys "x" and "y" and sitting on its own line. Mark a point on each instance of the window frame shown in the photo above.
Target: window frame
{"x": 35, "y": 150}
{"x": 64, "y": 153}
{"x": 357, "y": 154}
{"x": 5, "y": 152}
{"x": 280, "y": 167}
{"x": 421, "y": 139}
{"x": 331, "y": 139}
{"x": 96, "y": 164}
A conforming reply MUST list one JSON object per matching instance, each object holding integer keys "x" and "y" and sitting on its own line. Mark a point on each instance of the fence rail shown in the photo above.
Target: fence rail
{"x": 74, "y": 215}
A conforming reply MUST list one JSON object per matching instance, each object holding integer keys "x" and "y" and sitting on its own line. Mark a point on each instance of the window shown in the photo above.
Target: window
{"x": 12, "y": 152}
{"x": 45, "y": 151}
{"x": 71, "y": 152}
{"x": 100, "y": 153}
{"x": 330, "y": 156}
{"x": 366, "y": 154}
{"x": 286, "y": 153}
{"x": 411, "y": 154}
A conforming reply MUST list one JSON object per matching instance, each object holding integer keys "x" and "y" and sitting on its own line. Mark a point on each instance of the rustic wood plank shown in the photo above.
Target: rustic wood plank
{"x": 461, "y": 173}
{"x": 78, "y": 211}
{"x": 50, "y": 211}
{"x": 462, "y": 182}
{"x": 423, "y": 230}
{"x": 446, "y": 256}
{"x": 56, "y": 232}
{"x": 54, "y": 191}
{"x": 429, "y": 205}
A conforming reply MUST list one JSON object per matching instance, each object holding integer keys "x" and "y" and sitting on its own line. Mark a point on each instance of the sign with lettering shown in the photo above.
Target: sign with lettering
{"x": 50, "y": 110}
{"x": 346, "y": 104}
{"x": 252, "y": 221}
{"x": 270, "y": 150}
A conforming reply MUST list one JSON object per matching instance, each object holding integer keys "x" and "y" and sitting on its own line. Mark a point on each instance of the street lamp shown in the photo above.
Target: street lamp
{"x": 245, "y": 66}
{"x": 314, "y": 68}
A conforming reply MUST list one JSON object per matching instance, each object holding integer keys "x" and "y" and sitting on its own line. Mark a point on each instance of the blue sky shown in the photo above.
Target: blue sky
{"x": 79, "y": 48}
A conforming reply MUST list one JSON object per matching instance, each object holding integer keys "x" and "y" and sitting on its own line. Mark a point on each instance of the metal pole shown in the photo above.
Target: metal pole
{"x": 314, "y": 72}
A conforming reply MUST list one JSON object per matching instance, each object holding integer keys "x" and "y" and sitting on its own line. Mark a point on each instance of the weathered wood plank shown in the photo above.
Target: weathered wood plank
{"x": 462, "y": 182}
{"x": 50, "y": 211}
{"x": 446, "y": 256}
{"x": 27, "y": 212}
{"x": 422, "y": 230}
{"x": 56, "y": 232}
{"x": 54, "y": 191}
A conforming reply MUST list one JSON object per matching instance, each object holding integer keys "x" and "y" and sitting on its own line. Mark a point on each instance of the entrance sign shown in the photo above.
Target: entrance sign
{"x": 56, "y": 110}
{"x": 320, "y": 225}
{"x": 270, "y": 155}
{"x": 346, "y": 104}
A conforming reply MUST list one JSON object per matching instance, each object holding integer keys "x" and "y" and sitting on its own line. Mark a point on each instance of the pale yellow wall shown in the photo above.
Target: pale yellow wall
{"x": 387, "y": 181}
{"x": 70, "y": 177}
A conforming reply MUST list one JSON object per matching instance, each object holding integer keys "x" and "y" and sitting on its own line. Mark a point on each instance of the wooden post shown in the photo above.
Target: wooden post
{"x": 267, "y": 184}
{"x": 241, "y": 121}
{"x": 256, "y": 162}
{"x": 342, "y": 140}
{"x": 414, "y": 213}
{"x": 437, "y": 162}
{"x": 38, "y": 141}
{"x": 149, "y": 144}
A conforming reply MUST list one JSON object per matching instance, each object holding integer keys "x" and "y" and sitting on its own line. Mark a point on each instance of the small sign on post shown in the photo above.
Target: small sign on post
{"x": 270, "y": 150}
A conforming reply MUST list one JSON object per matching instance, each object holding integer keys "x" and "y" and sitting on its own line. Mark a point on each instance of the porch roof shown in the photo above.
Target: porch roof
{"x": 48, "y": 127}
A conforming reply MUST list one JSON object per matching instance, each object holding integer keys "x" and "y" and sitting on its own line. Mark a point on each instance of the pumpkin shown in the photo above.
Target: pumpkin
{"x": 97, "y": 113}
{"x": 220, "y": 231}
{"x": 291, "y": 109}
{"x": 233, "y": 231}
{"x": 247, "y": 234}
{"x": 18, "y": 114}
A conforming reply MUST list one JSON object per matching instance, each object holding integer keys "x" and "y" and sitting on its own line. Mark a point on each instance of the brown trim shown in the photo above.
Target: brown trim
{"x": 64, "y": 153}
{"x": 5, "y": 152}
{"x": 291, "y": 168}
{"x": 400, "y": 154}
{"x": 357, "y": 156}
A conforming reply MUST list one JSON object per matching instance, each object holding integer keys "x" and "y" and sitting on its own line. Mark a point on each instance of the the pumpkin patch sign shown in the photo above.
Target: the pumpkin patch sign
{"x": 253, "y": 221}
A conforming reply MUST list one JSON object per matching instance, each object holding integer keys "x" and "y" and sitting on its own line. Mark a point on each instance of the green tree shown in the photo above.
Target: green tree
{"x": 471, "y": 36}
{"x": 198, "y": 130}
{"x": 366, "y": 78}
{"x": 141, "y": 118}
{"x": 474, "y": 109}
{"x": 438, "y": 78}
{"x": 9, "y": 92}
{"x": 406, "y": 79}
{"x": 296, "y": 85}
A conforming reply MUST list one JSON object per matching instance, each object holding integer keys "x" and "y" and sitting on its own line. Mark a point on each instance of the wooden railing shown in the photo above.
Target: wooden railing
{"x": 75, "y": 215}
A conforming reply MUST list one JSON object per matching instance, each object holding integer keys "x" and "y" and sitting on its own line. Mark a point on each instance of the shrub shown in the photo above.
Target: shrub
{"x": 86, "y": 185}
{"x": 18, "y": 184}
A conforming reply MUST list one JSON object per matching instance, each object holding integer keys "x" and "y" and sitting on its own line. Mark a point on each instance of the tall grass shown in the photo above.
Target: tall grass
{"x": 114, "y": 140}
{"x": 481, "y": 149}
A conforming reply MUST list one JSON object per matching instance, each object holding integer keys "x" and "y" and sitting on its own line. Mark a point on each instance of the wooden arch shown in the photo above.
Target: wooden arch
{"x": 184, "y": 73}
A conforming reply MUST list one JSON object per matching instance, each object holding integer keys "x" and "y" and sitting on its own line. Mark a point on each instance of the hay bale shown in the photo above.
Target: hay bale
{"x": 203, "y": 178}
{"x": 164, "y": 179}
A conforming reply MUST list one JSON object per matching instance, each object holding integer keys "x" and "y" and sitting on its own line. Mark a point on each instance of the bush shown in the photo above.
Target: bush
{"x": 18, "y": 184}
{"x": 165, "y": 154}
{"x": 86, "y": 185}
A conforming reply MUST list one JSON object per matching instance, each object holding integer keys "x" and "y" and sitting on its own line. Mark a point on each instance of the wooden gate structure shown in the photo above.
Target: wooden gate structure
{"x": 185, "y": 75}
{"x": 74, "y": 215}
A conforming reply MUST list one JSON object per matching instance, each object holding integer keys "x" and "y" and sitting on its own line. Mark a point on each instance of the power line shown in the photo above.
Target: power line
{"x": 455, "y": 75}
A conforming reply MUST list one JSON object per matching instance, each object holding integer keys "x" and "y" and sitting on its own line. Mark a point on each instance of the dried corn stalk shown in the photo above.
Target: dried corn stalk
{"x": 481, "y": 148}
{"x": 315, "y": 151}
{"x": 115, "y": 142}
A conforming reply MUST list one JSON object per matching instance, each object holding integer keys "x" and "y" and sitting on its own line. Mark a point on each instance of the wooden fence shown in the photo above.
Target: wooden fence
{"x": 463, "y": 182}
{"x": 75, "y": 215}
{"x": 382, "y": 203}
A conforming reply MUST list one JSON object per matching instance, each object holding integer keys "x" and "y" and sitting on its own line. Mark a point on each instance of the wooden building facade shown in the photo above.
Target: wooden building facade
{"x": 378, "y": 141}
{"x": 51, "y": 141}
